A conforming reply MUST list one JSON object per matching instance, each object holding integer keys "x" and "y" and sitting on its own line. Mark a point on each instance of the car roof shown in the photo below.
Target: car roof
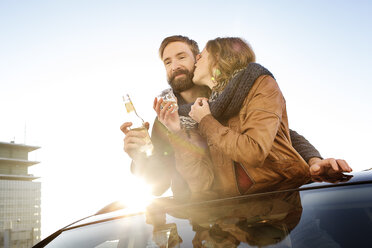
{"x": 341, "y": 179}
{"x": 165, "y": 204}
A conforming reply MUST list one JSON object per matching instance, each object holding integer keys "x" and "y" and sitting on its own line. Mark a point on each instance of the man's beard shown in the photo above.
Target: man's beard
{"x": 181, "y": 84}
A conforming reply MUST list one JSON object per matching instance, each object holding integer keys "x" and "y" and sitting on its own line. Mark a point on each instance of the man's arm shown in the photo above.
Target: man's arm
{"x": 311, "y": 155}
{"x": 193, "y": 160}
{"x": 157, "y": 169}
{"x": 303, "y": 146}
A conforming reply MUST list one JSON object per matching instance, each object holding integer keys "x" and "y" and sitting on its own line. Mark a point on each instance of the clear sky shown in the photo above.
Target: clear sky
{"x": 64, "y": 66}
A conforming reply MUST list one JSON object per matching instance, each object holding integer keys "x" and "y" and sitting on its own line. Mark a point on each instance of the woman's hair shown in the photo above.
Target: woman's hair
{"x": 228, "y": 55}
{"x": 175, "y": 38}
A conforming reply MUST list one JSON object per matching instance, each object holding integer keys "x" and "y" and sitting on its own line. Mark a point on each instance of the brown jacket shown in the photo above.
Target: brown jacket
{"x": 257, "y": 138}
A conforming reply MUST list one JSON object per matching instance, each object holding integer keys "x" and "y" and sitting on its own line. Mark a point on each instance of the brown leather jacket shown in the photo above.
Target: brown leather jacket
{"x": 257, "y": 138}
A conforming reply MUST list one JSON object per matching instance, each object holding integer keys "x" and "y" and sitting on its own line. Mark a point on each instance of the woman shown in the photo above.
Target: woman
{"x": 246, "y": 126}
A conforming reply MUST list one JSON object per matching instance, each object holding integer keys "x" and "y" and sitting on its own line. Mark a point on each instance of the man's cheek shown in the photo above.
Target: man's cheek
{"x": 169, "y": 76}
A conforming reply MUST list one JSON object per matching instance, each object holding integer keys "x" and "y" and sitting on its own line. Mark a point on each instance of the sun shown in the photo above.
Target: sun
{"x": 137, "y": 196}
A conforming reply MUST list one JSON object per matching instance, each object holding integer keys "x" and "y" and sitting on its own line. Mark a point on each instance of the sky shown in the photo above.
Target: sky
{"x": 65, "y": 65}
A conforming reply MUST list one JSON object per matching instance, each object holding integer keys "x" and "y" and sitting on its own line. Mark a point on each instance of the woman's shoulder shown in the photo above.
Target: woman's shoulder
{"x": 265, "y": 94}
{"x": 264, "y": 84}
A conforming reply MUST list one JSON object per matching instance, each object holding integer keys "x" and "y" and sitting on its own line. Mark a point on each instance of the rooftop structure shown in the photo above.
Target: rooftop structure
{"x": 19, "y": 197}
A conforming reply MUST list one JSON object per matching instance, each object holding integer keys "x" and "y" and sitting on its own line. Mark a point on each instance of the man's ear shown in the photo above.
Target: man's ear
{"x": 197, "y": 57}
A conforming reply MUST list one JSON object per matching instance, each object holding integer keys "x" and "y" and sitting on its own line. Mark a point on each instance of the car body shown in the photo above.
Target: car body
{"x": 337, "y": 213}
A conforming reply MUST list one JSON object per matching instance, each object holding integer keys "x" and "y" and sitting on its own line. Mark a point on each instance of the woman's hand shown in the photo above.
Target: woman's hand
{"x": 168, "y": 115}
{"x": 200, "y": 109}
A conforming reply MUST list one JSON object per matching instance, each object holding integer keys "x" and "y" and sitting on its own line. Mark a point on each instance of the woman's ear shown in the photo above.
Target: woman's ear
{"x": 216, "y": 72}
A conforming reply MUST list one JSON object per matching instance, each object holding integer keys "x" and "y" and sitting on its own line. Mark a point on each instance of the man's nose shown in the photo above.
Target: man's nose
{"x": 175, "y": 66}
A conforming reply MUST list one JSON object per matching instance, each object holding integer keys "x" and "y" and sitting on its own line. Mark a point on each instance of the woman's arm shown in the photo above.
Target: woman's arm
{"x": 259, "y": 121}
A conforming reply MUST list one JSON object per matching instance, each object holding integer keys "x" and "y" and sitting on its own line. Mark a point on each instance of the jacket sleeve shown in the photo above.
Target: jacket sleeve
{"x": 192, "y": 159}
{"x": 157, "y": 169}
{"x": 303, "y": 146}
{"x": 259, "y": 119}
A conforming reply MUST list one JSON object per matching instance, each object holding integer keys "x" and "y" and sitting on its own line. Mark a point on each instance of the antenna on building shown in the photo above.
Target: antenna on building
{"x": 24, "y": 139}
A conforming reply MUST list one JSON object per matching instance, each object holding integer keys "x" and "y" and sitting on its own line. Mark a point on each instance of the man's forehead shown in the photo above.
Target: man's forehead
{"x": 175, "y": 48}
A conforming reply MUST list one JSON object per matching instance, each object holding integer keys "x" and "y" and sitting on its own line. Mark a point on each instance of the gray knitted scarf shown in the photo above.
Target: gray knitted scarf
{"x": 227, "y": 103}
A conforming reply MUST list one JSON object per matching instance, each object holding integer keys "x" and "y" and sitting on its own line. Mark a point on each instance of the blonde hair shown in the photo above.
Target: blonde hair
{"x": 228, "y": 55}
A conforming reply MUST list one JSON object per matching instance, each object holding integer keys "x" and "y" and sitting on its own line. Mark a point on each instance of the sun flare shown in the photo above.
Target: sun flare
{"x": 137, "y": 196}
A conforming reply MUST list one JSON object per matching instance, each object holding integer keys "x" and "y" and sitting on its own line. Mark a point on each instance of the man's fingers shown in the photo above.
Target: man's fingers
{"x": 337, "y": 164}
{"x": 128, "y": 140}
{"x": 344, "y": 165}
{"x": 135, "y": 134}
{"x": 334, "y": 164}
{"x": 329, "y": 162}
{"x": 125, "y": 127}
{"x": 169, "y": 111}
{"x": 164, "y": 111}
{"x": 128, "y": 147}
{"x": 157, "y": 107}
{"x": 147, "y": 125}
{"x": 329, "y": 166}
{"x": 155, "y": 102}
{"x": 316, "y": 169}
{"x": 131, "y": 149}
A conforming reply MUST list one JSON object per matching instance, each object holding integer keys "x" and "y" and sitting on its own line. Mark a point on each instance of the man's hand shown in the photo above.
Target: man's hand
{"x": 133, "y": 139}
{"x": 328, "y": 166}
{"x": 200, "y": 109}
{"x": 167, "y": 115}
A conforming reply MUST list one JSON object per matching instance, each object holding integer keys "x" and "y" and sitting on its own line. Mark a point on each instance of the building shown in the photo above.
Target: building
{"x": 19, "y": 197}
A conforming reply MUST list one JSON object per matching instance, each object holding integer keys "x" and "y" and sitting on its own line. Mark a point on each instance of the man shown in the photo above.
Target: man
{"x": 178, "y": 54}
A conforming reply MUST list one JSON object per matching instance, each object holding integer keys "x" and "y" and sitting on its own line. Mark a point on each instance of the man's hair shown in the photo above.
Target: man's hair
{"x": 228, "y": 55}
{"x": 191, "y": 43}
